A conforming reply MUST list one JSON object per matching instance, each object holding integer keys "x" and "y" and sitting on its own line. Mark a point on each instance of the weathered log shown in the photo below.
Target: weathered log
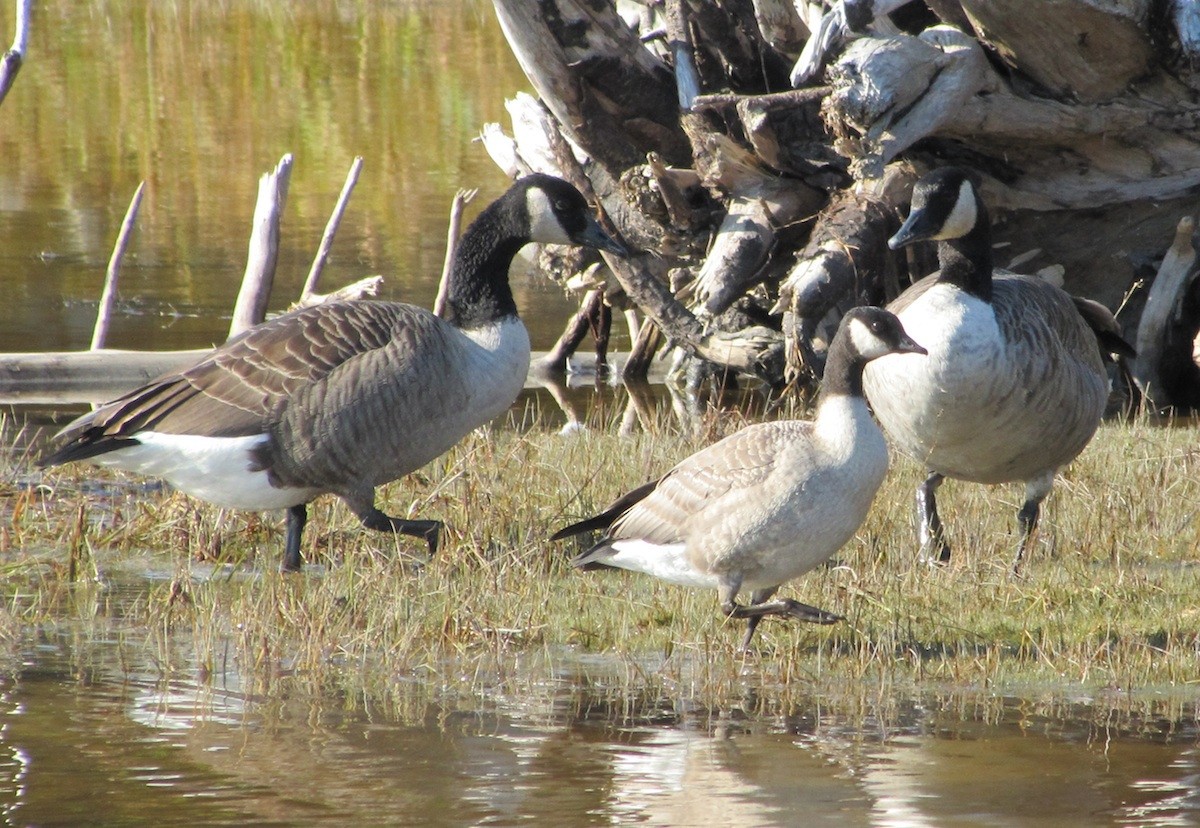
{"x": 1155, "y": 369}
{"x": 1081, "y": 50}
{"x": 10, "y": 64}
{"x": 841, "y": 21}
{"x": 555, "y": 360}
{"x": 845, "y": 262}
{"x": 84, "y": 376}
{"x": 612, "y": 96}
{"x": 679, "y": 43}
{"x": 781, "y": 25}
{"x": 757, "y": 202}
{"x": 730, "y": 51}
{"x": 894, "y": 91}
{"x": 891, "y": 93}
{"x": 1185, "y": 15}
{"x": 70, "y": 377}
{"x": 757, "y": 351}
{"x": 255, "y": 293}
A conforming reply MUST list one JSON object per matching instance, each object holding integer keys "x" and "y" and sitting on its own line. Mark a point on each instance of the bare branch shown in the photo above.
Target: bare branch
{"x": 335, "y": 219}
{"x": 108, "y": 297}
{"x": 461, "y": 199}
{"x": 255, "y": 293}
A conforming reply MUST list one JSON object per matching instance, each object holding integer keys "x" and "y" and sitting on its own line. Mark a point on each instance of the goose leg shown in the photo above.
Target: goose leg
{"x": 757, "y": 597}
{"x": 785, "y": 607}
{"x": 1027, "y": 518}
{"x": 934, "y": 548}
{"x": 429, "y": 530}
{"x": 297, "y": 516}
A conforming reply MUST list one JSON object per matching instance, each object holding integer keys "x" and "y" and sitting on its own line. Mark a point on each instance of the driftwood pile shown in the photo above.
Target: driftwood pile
{"x": 762, "y": 151}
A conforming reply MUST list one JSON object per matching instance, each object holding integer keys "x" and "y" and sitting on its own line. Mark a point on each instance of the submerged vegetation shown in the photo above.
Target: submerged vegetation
{"x": 1106, "y": 603}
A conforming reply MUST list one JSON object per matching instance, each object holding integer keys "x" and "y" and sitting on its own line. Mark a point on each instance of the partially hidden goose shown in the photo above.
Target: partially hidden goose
{"x": 342, "y": 397}
{"x": 767, "y": 503}
{"x": 1013, "y": 387}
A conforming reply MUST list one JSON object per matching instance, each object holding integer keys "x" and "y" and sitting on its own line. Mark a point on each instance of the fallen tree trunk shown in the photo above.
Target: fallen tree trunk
{"x": 1080, "y": 116}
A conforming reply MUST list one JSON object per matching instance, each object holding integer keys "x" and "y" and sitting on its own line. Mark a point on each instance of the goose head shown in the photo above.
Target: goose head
{"x": 557, "y": 213}
{"x": 945, "y": 205}
{"x": 874, "y": 332}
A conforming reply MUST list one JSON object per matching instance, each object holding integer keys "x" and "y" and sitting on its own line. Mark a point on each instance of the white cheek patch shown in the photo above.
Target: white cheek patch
{"x": 962, "y": 218}
{"x": 867, "y": 344}
{"x": 543, "y": 224}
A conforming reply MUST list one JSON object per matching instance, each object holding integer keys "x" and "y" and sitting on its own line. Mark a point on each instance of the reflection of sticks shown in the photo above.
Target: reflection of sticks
{"x": 10, "y": 64}
{"x": 640, "y": 408}
{"x": 570, "y": 408}
{"x": 335, "y": 219}
{"x": 108, "y": 297}
{"x": 461, "y": 199}
{"x": 251, "y": 306}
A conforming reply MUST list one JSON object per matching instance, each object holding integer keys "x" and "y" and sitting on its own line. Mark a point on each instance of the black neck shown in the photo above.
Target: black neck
{"x": 477, "y": 292}
{"x": 843, "y": 370}
{"x": 966, "y": 262}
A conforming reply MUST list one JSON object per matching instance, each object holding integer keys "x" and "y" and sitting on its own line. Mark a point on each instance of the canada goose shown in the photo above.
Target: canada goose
{"x": 1013, "y": 387}
{"x": 343, "y": 397}
{"x": 767, "y": 503}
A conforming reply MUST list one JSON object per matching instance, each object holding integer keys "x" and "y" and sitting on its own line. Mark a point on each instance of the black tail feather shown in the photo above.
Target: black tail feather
{"x": 606, "y": 518}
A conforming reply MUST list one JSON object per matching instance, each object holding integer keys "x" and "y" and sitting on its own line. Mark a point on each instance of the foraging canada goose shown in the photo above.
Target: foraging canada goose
{"x": 1013, "y": 387}
{"x": 345, "y": 396}
{"x": 769, "y": 502}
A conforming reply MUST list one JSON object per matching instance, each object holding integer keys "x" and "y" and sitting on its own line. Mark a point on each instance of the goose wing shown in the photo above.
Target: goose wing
{"x": 717, "y": 483}
{"x": 238, "y": 388}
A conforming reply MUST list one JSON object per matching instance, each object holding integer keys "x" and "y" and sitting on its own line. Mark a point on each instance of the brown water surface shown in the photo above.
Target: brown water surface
{"x": 199, "y": 99}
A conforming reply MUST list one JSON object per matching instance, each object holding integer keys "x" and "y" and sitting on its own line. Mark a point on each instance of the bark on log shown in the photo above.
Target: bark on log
{"x": 1082, "y": 50}
{"x": 1156, "y": 369}
{"x": 1082, "y": 117}
{"x": 846, "y": 262}
{"x": 613, "y": 97}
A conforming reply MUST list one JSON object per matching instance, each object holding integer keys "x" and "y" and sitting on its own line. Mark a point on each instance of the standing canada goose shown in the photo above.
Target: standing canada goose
{"x": 345, "y": 396}
{"x": 1013, "y": 387}
{"x": 767, "y": 503}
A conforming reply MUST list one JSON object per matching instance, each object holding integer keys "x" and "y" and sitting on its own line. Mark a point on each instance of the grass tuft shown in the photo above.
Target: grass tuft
{"x": 1105, "y": 603}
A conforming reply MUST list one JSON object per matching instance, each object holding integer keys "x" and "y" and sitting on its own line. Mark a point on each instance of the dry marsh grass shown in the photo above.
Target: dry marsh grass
{"x": 1106, "y": 602}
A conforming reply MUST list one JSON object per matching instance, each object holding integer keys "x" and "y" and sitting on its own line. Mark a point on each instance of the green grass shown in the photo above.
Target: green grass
{"x": 1107, "y": 601}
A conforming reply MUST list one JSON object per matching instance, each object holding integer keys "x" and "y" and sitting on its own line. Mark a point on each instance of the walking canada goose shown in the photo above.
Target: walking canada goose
{"x": 1013, "y": 387}
{"x": 767, "y": 503}
{"x": 342, "y": 397}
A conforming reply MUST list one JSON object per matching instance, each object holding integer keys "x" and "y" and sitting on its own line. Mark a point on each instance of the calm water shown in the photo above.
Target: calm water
{"x": 113, "y": 726}
{"x": 105, "y": 723}
{"x": 199, "y": 99}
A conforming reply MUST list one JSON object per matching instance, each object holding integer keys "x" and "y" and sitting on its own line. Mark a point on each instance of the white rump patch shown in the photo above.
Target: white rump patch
{"x": 668, "y": 562}
{"x": 215, "y": 469}
{"x": 543, "y": 223}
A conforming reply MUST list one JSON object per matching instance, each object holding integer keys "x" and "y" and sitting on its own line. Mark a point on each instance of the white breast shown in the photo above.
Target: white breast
{"x": 496, "y": 365}
{"x": 979, "y": 407}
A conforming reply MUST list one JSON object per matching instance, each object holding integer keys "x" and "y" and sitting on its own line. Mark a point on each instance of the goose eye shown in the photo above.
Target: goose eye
{"x": 561, "y": 206}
